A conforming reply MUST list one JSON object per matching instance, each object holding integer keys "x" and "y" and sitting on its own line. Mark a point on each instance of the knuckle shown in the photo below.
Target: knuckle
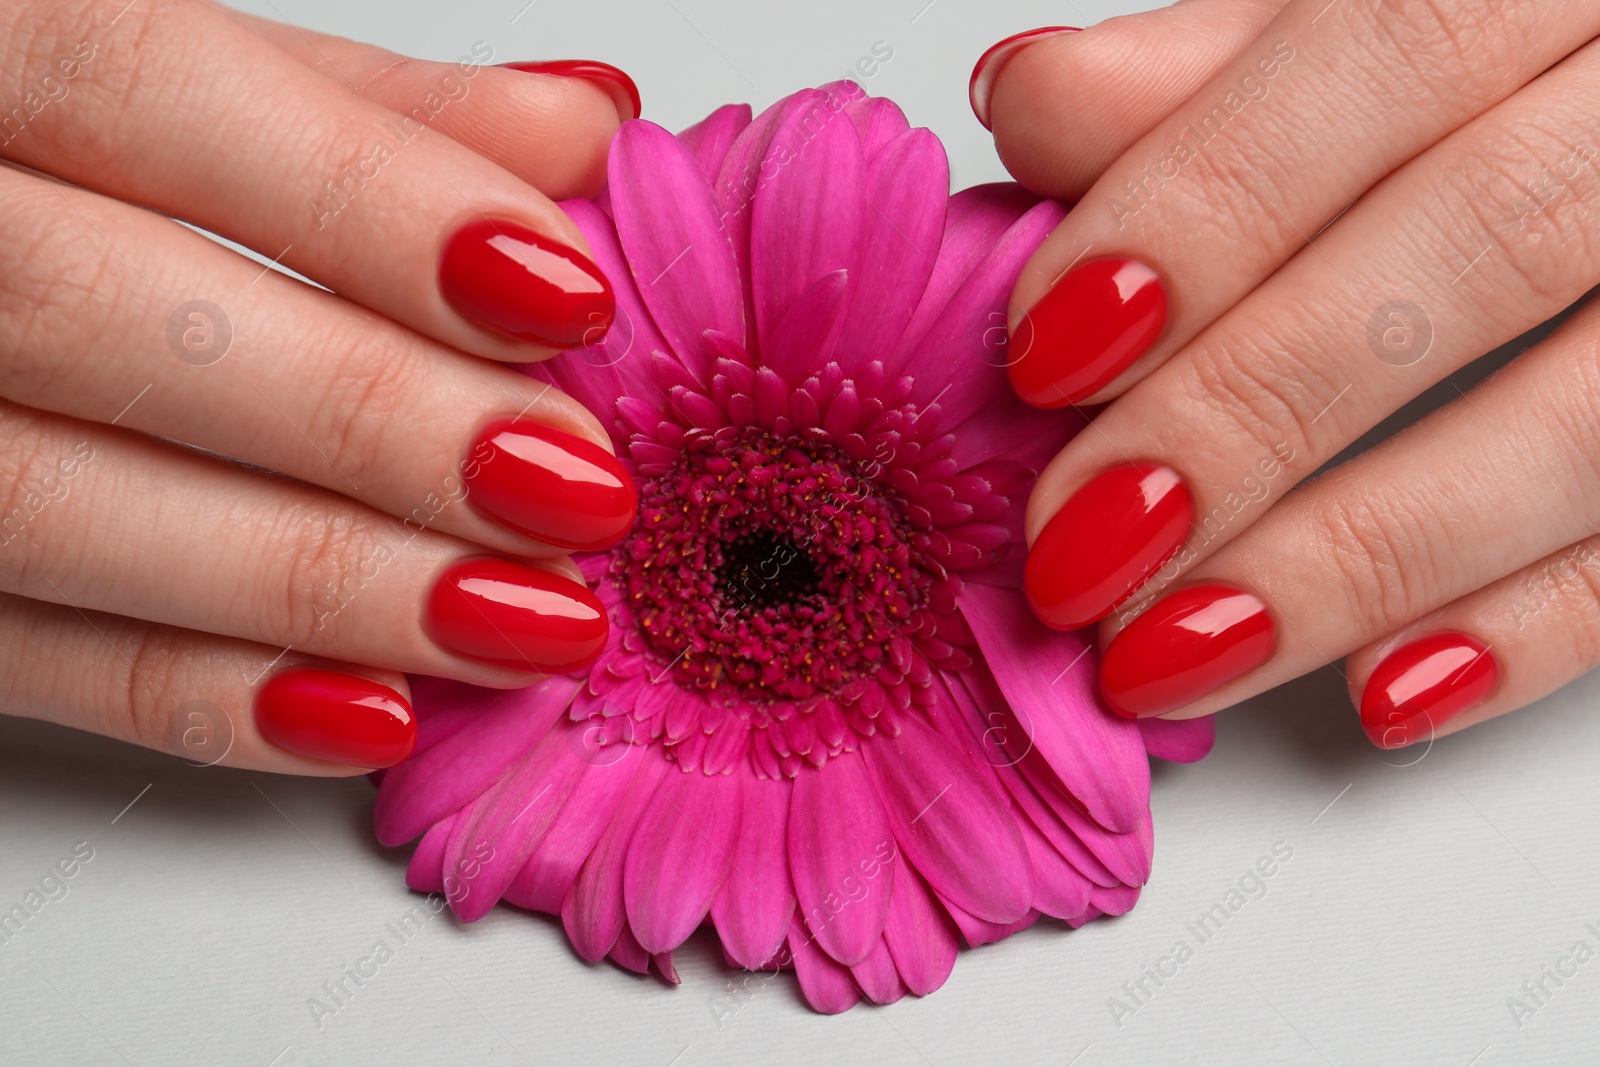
{"x": 318, "y": 576}
{"x": 1457, "y": 50}
{"x": 366, "y": 389}
{"x": 1567, "y": 405}
{"x": 1382, "y": 552}
{"x": 1270, "y": 395}
{"x": 1544, "y": 231}
{"x": 59, "y": 285}
{"x": 34, "y": 466}
{"x": 1578, "y": 571}
{"x": 155, "y": 671}
{"x": 60, "y": 46}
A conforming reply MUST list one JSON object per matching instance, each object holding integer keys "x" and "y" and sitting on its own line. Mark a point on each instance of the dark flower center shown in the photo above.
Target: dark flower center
{"x": 762, "y": 570}
{"x": 768, "y": 568}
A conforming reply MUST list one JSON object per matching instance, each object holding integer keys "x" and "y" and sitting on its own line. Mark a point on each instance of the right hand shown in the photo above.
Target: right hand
{"x": 214, "y": 477}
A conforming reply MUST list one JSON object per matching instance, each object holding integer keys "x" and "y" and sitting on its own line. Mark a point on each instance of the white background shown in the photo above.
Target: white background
{"x": 1418, "y": 898}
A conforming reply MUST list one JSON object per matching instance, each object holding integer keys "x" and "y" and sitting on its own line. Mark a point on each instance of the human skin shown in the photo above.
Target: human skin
{"x": 214, "y": 476}
{"x": 1340, "y": 204}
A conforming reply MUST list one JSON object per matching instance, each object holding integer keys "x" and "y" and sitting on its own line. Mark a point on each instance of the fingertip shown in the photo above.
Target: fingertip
{"x": 986, "y": 71}
{"x": 613, "y": 81}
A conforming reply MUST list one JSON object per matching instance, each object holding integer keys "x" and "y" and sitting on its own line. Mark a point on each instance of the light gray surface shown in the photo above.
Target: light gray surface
{"x": 1417, "y": 899}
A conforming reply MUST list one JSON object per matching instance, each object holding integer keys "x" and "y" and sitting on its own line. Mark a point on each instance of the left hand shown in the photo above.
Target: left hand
{"x": 1318, "y": 211}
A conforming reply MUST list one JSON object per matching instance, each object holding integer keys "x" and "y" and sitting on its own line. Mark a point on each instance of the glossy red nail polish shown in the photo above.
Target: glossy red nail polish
{"x": 1421, "y": 686}
{"x": 1091, "y": 326}
{"x": 1186, "y": 645}
{"x": 550, "y": 484}
{"x": 1105, "y": 542}
{"x": 615, "y": 82}
{"x": 984, "y": 73}
{"x": 504, "y": 614}
{"x": 507, "y": 278}
{"x": 337, "y": 717}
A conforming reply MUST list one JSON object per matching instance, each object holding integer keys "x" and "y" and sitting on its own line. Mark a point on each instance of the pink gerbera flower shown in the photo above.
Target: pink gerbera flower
{"x": 826, "y": 721}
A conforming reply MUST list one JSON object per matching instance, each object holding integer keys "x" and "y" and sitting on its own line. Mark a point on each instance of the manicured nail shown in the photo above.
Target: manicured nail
{"x": 623, "y": 92}
{"x": 1105, "y": 542}
{"x": 1421, "y": 686}
{"x": 1091, "y": 326}
{"x": 503, "y": 614}
{"x": 340, "y": 718}
{"x": 550, "y": 484}
{"x": 1188, "y": 644}
{"x": 509, "y": 279}
{"x": 987, "y": 69}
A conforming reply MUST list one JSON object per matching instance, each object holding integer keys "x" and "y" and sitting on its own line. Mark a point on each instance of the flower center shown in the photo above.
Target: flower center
{"x": 768, "y": 569}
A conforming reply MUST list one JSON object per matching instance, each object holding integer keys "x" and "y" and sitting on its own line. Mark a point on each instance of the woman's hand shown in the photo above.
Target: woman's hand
{"x": 156, "y": 592}
{"x": 1312, "y": 211}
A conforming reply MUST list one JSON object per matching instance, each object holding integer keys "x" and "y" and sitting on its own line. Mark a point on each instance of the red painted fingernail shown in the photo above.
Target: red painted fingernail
{"x": 1420, "y": 686}
{"x": 987, "y": 69}
{"x": 340, "y": 718}
{"x": 506, "y": 615}
{"x": 615, "y": 82}
{"x": 1186, "y": 645}
{"x": 550, "y": 484}
{"x": 1091, "y": 326}
{"x": 1105, "y": 542}
{"x": 509, "y": 279}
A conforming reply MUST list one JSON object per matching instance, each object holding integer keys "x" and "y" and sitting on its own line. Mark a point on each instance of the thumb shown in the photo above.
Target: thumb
{"x": 1064, "y": 106}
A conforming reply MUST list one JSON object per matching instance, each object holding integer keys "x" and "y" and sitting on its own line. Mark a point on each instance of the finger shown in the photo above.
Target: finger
{"x": 1221, "y": 193}
{"x": 206, "y": 545}
{"x": 1493, "y": 482}
{"x": 543, "y": 122}
{"x": 366, "y": 201}
{"x": 1334, "y": 342}
{"x": 1492, "y": 651}
{"x": 213, "y": 351}
{"x": 1063, "y": 106}
{"x": 212, "y": 701}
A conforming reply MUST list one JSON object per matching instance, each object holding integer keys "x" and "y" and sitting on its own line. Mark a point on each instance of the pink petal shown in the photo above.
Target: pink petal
{"x": 503, "y": 826}
{"x": 964, "y": 349}
{"x": 506, "y": 726}
{"x": 1058, "y": 889}
{"x": 679, "y": 856}
{"x": 974, "y": 220}
{"x": 425, "y": 872}
{"x": 711, "y": 137}
{"x": 807, "y": 220}
{"x": 1179, "y": 740}
{"x": 619, "y": 365}
{"x": 1025, "y": 435}
{"x": 627, "y": 953}
{"x": 976, "y": 932}
{"x": 1117, "y": 901}
{"x": 681, "y": 261}
{"x": 753, "y": 910}
{"x": 593, "y": 912}
{"x": 879, "y": 121}
{"x": 548, "y": 876}
{"x": 954, "y": 826}
{"x": 919, "y": 934}
{"x": 1126, "y": 856}
{"x": 803, "y": 342}
{"x": 828, "y": 987}
{"x": 877, "y": 977}
{"x": 1048, "y": 678}
{"x": 1044, "y": 819}
{"x": 906, "y": 190}
{"x": 841, "y": 857}
{"x": 742, "y": 176}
